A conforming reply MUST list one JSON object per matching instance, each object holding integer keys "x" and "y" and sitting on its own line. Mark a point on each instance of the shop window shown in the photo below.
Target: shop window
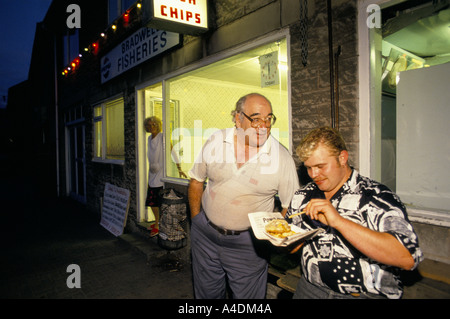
{"x": 199, "y": 102}
{"x": 410, "y": 103}
{"x": 207, "y": 96}
{"x": 70, "y": 46}
{"x": 109, "y": 131}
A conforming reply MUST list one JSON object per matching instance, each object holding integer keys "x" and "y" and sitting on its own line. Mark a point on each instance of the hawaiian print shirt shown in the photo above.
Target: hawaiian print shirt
{"x": 328, "y": 260}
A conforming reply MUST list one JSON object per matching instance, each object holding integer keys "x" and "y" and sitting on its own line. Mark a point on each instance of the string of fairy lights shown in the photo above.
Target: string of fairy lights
{"x": 121, "y": 22}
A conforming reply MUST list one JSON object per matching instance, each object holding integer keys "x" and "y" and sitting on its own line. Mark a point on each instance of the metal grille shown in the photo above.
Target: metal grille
{"x": 173, "y": 221}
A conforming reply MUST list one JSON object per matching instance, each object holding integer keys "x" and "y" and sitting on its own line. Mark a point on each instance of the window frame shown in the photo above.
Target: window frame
{"x": 369, "y": 72}
{"x": 102, "y": 118}
{"x": 70, "y": 46}
{"x": 141, "y": 156}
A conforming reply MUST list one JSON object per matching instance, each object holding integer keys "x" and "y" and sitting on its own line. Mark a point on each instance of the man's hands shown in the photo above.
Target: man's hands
{"x": 323, "y": 211}
{"x": 380, "y": 246}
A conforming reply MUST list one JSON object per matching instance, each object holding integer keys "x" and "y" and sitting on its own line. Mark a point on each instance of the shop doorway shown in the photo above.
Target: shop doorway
{"x": 76, "y": 161}
{"x": 150, "y": 104}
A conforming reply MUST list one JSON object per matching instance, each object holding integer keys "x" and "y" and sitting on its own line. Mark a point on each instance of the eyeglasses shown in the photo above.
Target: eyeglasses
{"x": 258, "y": 122}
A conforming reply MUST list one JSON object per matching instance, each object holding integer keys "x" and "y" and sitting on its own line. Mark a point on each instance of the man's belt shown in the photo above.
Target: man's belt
{"x": 224, "y": 231}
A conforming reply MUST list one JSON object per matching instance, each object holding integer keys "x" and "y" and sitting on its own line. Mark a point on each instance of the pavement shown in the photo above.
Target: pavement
{"x": 42, "y": 237}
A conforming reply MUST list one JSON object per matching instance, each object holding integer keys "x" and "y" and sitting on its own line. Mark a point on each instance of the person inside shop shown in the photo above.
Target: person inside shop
{"x": 245, "y": 167}
{"x": 153, "y": 125}
{"x": 368, "y": 237}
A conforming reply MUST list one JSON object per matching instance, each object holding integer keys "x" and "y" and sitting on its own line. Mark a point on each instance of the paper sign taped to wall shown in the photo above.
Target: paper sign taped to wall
{"x": 115, "y": 209}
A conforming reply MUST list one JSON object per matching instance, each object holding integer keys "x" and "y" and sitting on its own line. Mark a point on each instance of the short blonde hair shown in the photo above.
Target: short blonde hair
{"x": 327, "y": 136}
{"x": 153, "y": 119}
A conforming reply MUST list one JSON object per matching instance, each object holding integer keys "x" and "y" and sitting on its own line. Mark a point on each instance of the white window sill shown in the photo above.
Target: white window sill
{"x": 177, "y": 181}
{"x": 427, "y": 216}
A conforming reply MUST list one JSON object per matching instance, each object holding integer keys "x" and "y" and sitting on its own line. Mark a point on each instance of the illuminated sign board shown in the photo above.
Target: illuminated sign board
{"x": 181, "y": 16}
{"x": 144, "y": 44}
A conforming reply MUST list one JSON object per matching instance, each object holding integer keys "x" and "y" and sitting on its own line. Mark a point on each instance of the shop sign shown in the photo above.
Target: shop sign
{"x": 144, "y": 44}
{"x": 182, "y": 16}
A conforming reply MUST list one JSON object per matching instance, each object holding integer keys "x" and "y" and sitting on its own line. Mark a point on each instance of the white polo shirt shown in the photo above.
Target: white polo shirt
{"x": 232, "y": 193}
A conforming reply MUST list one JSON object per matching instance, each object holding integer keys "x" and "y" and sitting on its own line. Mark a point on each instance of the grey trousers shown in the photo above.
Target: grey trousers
{"x": 218, "y": 259}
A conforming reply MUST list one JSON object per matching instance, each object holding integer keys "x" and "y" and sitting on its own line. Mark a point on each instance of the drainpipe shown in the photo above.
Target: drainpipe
{"x": 330, "y": 50}
{"x": 56, "y": 116}
{"x": 336, "y": 81}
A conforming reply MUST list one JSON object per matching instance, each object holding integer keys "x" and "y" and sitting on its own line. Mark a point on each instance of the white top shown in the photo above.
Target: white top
{"x": 232, "y": 193}
{"x": 155, "y": 160}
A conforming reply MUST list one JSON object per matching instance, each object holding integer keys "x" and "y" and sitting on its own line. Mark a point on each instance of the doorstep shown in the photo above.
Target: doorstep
{"x": 435, "y": 270}
{"x": 146, "y": 246}
{"x": 145, "y": 225}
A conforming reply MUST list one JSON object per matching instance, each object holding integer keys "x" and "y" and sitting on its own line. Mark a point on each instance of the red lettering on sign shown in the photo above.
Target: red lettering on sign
{"x": 179, "y": 14}
{"x": 174, "y": 13}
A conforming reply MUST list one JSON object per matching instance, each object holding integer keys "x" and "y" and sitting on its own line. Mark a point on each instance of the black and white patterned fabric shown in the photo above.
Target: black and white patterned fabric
{"x": 328, "y": 260}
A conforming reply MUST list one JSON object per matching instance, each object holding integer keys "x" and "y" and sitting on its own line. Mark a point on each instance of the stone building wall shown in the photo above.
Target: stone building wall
{"x": 311, "y": 98}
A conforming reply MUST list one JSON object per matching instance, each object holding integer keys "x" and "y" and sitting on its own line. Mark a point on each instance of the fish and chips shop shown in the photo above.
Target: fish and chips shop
{"x": 344, "y": 64}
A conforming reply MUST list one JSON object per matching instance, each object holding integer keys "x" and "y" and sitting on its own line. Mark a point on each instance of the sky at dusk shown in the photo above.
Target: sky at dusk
{"x": 18, "y": 20}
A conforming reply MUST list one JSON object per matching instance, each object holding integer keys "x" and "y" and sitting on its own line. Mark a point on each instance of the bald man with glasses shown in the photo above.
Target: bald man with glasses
{"x": 245, "y": 168}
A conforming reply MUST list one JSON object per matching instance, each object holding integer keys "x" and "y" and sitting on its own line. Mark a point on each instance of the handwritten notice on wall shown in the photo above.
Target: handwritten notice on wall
{"x": 115, "y": 209}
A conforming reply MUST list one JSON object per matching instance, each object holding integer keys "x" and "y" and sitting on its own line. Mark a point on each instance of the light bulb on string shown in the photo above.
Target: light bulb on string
{"x": 126, "y": 18}
{"x": 95, "y": 47}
